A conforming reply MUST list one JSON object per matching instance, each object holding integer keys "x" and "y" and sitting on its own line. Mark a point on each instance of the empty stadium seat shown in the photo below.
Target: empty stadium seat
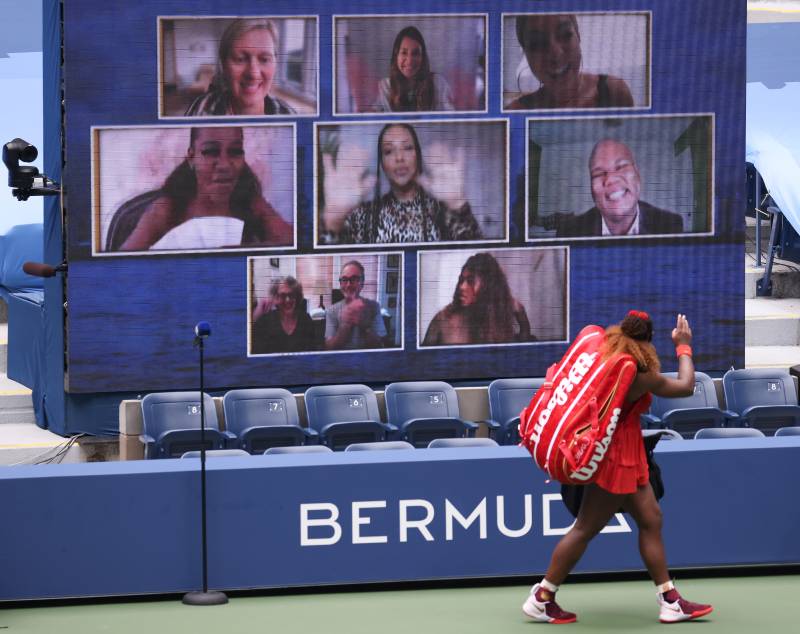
{"x": 264, "y": 418}
{"x": 447, "y": 443}
{"x": 662, "y": 434}
{"x": 345, "y": 414}
{"x": 217, "y": 453}
{"x": 507, "y": 398}
{"x": 171, "y": 422}
{"x": 729, "y": 432}
{"x": 379, "y": 446}
{"x": 424, "y": 410}
{"x": 687, "y": 414}
{"x": 788, "y": 431}
{"x": 764, "y": 398}
{"x": 299, "y": 449}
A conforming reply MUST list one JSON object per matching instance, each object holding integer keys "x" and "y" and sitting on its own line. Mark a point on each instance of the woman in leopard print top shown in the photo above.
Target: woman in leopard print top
{"x": 408, "y": 213}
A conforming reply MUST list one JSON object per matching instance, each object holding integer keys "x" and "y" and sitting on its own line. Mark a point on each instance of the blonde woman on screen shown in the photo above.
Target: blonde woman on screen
{"x": 246, "y": 67}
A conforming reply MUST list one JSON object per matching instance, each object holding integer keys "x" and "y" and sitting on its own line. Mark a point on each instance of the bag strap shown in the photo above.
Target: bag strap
{"x": 542, "y": 396}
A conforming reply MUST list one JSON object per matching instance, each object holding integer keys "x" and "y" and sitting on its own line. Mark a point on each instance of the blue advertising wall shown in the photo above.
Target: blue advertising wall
{"x": 130, "y": 319}
{"x": 368, "y": 517}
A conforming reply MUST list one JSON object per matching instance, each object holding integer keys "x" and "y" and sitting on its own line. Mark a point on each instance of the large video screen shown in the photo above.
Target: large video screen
{"x": 369, "y": 192}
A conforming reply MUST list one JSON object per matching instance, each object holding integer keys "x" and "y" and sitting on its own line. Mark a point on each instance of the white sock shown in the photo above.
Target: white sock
{"x": 665, "y": 587}
{"x": 551, "y": 587}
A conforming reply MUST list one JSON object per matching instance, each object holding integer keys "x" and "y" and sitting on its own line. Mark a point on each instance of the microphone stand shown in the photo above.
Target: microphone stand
{"x": 205, "y": 597}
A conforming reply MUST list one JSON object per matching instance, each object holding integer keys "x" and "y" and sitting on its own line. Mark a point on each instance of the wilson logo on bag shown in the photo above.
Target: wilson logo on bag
{"x": 571, "y": 419}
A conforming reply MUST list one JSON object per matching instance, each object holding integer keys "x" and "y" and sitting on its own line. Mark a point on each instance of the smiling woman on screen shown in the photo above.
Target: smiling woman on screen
{"x": 411, "y": 85}
{"x": 552, "y": 48}
{"x": 423, "y": 204}
{"x": 246, "y": 67}
{"x": 212, "y": 198}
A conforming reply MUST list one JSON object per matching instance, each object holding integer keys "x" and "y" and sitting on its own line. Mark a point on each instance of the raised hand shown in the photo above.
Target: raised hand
{"x": 347, "y": 182}
{"x": 265, "y": 305}
{"x": 682, "y": 334}
{"x": 357, "y": 313}
{"x": 445, "y": 175}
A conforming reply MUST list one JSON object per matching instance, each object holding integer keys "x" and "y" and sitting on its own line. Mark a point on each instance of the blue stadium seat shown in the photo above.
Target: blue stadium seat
{"x": 379, "y": 446}
{"x": 728, "y": 432}
{"x": 448, "y": 443}
{"x": 299, "y": 449}
{"x": 507, "y": 398}
{"x": 687, "y": 414}
{"x": 788, "y": 431}
{"x": 264, "y": 418}
{"x": 764, "y": 398}
{"x": 662, "y": 434}
{"x": 217, "y": 453}
{"x": 345, "y": 414}
{"x": 171, "y": 423}
{"x": 424, "y": 410}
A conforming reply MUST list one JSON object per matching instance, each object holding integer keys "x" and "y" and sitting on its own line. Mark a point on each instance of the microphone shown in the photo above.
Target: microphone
{"x": 201, "y": 331}
{"x": 204, "y": 597}
{"x": 40, "y": 269}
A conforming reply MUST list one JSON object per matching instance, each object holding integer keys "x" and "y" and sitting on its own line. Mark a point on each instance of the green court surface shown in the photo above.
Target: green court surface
{"x": 753, "y": 604}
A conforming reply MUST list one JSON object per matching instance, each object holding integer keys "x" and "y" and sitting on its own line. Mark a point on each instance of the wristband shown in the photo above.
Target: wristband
{"x": 683, "y": 349}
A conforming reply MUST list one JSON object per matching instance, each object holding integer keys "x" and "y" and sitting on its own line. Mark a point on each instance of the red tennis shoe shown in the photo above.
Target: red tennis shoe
{"x": 541, "y": 606}
{"x": 673, "y": 608}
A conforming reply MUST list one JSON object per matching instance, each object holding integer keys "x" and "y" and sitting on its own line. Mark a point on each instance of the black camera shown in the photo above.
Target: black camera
{"x": 25, "y": 180}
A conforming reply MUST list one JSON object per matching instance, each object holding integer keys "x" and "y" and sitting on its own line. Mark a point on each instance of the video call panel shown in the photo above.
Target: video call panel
{"x": 386, "y": 194}
{"x": 162, "y": 189}
{"x": 405, "y": 182}
{"x": 637, "y": 177}
{"x": 410, "y": 63}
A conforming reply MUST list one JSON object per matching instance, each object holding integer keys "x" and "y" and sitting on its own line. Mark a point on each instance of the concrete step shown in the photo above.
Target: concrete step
{"x": 3, "y": 346}
{"x": 750, "y": 233}
{"x": 785, "y": 277}
{"x": 25, "y": 443}
{"x": 772, "y": 330}
{"x": 771, "y": 321}
{"x": 16, "y": 406}
{"x": 785, "y": 274}
{"x": 17, "y": 415}
{"x": 772, "y": 324}
{"x": 771, "y": 356}
{"x": 22, "y": 443}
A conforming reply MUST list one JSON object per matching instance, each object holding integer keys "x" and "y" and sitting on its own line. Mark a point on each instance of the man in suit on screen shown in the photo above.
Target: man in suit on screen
{"x": 618, "y": 211}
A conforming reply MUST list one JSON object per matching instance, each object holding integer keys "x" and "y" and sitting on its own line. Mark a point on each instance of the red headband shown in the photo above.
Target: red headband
{"x": 640, "y": 314}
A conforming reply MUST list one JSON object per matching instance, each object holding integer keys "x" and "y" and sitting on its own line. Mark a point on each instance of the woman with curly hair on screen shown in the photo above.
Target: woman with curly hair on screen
{"x": 213, "y": 186}
{"x": 623, "y": 479}
{"x": 483, "y": 310}
{"x": 411, "y": 85}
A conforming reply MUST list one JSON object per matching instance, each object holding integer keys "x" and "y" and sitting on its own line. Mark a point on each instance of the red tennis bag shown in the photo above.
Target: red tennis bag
{"x": 571, "y": 419}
